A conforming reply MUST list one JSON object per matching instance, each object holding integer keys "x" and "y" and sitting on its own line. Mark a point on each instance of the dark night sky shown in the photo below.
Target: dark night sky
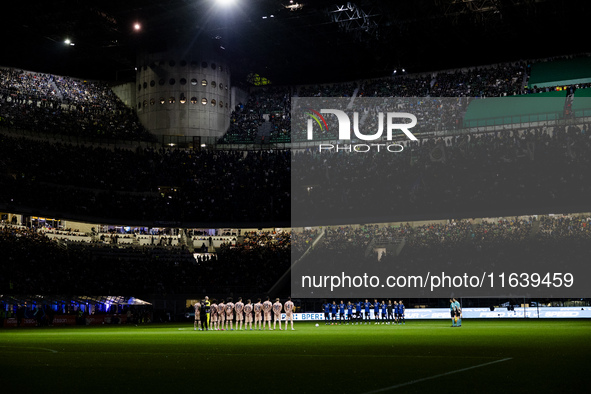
{"x": 304, "y": 46}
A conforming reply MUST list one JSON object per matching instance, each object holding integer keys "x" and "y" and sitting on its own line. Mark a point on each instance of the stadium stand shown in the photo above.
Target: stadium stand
{"x": 48, "y": 105}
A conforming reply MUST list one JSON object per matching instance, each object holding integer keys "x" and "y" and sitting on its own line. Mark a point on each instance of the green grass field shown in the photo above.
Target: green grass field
{"x": 483, "y": 356}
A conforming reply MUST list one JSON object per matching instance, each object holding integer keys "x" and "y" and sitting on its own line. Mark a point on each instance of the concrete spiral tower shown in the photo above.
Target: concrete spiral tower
{"x": 184, "y": 90}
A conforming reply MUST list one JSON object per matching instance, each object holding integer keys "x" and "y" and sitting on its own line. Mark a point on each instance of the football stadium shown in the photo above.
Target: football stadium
{"x": 316, "y": 196}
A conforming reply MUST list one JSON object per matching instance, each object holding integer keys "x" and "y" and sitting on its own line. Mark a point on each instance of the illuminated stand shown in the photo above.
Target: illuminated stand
{"x": 477, "y": 313}
{"x": 183, "y": 92}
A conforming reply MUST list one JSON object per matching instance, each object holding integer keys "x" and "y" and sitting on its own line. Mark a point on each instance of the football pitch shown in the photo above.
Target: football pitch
{"x": 485, "y": 356}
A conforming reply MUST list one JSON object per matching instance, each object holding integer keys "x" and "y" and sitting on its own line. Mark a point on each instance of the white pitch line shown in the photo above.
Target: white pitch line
{"x": 267, "y": 354}
{"x": 437, "y": 376}
{"x": 20, "y": 348}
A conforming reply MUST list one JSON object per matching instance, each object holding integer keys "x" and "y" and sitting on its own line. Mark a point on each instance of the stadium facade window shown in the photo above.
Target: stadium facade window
{"x": 193, "y": 64}
{"x": 152, "y": 101}
{"x": 182, "y": 100}
{"x": 204, "y": 64}
{"x": 152, "y": 83}
{"x": 213, "y": 102}
{"x": 145, "y": 85}
{"x": 193, "y": 100}
{"x": 204, "y": 101}
{"x": 139, "y": 105}
{"x": 213, "y": 66}
{"x": 213, "y": 84}
{"x": 221, "y": 86}
{"x": 183, "y": 63}
{"x": 171, "y": 63}
{"x": 161, "y": 81}
{"x": 204, "y": 82}
{"x": 183, "y": 81}
{"x": 171, "y": 100}
{"x": 162, "y": 101}
{"x": 193, "y": 82}
{"x": 145, "y": 103}
{"x": 172, "y": 81}
{"x": 221, "y": 104}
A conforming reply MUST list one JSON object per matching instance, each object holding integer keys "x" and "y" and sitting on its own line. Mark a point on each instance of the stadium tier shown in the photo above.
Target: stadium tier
{"x": 50, "y": 105}
{"x": 564, "y": 72}
{"x": 402, "y": 188}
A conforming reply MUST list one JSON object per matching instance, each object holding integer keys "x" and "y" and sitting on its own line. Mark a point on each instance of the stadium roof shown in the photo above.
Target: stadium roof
{"x": 297, "y": 41}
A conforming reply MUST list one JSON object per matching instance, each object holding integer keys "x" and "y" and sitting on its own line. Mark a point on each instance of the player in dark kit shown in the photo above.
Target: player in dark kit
{"x": 341, "y": 311}
{"x": 333, "y": 309}
{"x": 384, "y": 311}
{"x": 358, "y": 312}
{"x": 203, "y": 312}
{"x": 389, "y": 308}
{"x": 349, "y": 312}
{"x": 326, "y": 306}
{"x": 401, "y": 312}
{"x": 366, "y": 305}
{"x": 376, "y": 311}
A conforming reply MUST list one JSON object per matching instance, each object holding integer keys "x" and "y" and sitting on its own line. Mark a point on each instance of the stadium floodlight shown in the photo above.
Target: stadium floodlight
{"x": 225, "y": 3}
{"x": 67, "y": 41}
{"x": 137, "y": 26}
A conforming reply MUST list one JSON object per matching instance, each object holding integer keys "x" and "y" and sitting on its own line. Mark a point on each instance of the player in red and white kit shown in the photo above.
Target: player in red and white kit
{"x": 288, "y": 308}
{"x": 230, "y": 314}
{"x": 258, "y": 310}
{"x": 267, "y": 306}
{"x": 248, "y": 315}
{"x": 213, "y": 315}
{"x": 277, "y": 306}
{"x": 239, "y": 308}
{"x": 221, "y": 314}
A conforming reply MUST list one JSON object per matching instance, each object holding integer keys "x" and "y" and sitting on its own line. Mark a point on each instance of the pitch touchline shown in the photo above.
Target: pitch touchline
{"x": 274, "y": 354}
{"x": 437, "y": 376}
{"x": 33, "y": 348}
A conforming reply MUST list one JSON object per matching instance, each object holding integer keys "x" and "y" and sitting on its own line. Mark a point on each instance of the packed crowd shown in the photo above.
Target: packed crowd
{"x": 268, "y": 105}
{"x": 34, "y": 264}
{"x": 475, "y": 245}
{"x": 504, "y": 79}
{"x": 50, "y": 105}
{"x": 204, "y": 186}
{"x": 531, "y": 170}
{"x": 301, "y": 241}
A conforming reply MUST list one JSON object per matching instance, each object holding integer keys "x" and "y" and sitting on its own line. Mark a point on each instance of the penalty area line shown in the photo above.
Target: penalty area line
{"x": 437, "y": 376}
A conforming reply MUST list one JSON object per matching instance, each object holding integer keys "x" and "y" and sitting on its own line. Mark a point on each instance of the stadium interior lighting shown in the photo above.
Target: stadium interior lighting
{"x": 67, "y": 41}
{"x": 226, "y": 3}
{"x": 137, "y": 26}
{"x": 294, "y": 6}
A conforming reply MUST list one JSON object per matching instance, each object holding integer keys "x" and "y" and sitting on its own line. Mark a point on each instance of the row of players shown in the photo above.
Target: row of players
{"x": 220, "y": 315}
{"x": 390, "y": 312}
